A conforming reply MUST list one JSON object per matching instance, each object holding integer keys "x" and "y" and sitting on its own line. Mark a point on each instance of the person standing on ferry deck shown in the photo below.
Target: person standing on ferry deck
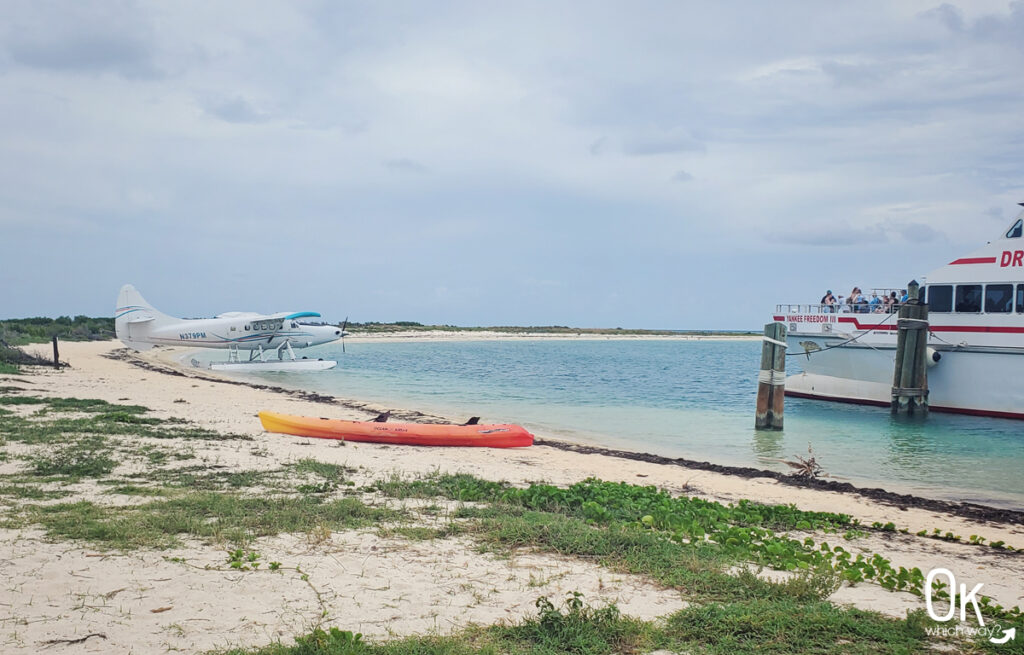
{"x": 828, "y": 302}
{"x": 857, "y": 302}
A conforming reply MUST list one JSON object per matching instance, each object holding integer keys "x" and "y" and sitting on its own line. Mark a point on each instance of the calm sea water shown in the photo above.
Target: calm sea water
{"x": 692, "y": 399}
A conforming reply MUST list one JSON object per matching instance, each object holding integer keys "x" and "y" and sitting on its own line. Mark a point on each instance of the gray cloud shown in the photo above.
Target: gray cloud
{"x": 681, "y": 176}
{"x": 125, "y": 56}
{"x": 234, "y": 110}
{"x": 405, "y": 165}
{"x": 846, "y": 234}
{"x": 856, "y": 74}
{"x": 80, "y": 38}
{"x": 654, "y": 144}
{"x": 949, "y": 15}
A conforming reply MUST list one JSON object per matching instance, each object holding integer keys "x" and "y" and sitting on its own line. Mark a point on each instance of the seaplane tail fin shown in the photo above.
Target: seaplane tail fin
{"x": 134, "y": 319}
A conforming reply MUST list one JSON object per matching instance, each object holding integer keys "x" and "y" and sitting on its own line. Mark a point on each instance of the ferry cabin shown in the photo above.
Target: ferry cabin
{"x": 976, "y": 338}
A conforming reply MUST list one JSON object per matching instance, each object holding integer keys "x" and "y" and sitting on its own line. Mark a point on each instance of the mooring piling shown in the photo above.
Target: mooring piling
{"x": 910, "y": 377}
{"x": 771, "y": 381}
{"x": 56, "y": 355}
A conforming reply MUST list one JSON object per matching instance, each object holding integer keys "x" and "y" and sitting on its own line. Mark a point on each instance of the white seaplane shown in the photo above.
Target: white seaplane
{"x": 140, "y": 326}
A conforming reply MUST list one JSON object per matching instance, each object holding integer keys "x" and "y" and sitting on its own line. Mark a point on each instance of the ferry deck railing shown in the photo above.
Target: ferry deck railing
{"x": 818, "y": 308}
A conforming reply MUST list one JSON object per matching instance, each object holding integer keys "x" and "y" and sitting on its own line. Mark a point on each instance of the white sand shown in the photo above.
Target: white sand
{"x": 367, "y": 583}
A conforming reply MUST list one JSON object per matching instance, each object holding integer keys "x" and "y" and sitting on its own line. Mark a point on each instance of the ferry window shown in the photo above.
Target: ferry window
{"x": 1020, "y": 298}
{"x": 940, "y": 298}
{"x": 968, "y": 298}
{"x": 998, "y": 298}
{"x": 1016, "y": 230}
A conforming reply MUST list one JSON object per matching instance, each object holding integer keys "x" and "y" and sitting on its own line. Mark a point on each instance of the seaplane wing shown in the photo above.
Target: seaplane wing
{"x": 238, "y": 315}
{"x": 141, "y": 326}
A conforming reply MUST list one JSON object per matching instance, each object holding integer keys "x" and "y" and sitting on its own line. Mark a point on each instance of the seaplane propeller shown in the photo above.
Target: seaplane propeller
{"x": 344, "y": 325}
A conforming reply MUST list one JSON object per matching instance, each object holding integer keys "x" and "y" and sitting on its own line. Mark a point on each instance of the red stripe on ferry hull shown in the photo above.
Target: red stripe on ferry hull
{"x": 932, "y": 328}
{"x": 937, "y": 408}
{"x": 974, "y": 260}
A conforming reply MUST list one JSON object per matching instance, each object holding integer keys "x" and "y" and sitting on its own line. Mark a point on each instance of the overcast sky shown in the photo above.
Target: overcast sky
{"x": 642, "y": 164}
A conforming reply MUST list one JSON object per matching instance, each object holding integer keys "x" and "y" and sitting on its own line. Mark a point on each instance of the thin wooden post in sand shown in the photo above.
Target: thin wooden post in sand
{"x": 56, "y": 355}
{"x": 771, "y": 381}
{"x": 910, "y": 377}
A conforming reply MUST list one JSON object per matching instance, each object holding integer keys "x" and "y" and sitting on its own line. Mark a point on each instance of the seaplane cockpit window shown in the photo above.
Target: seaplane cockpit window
{"x": 968, "y": 298}
{"x": 998, "y": 298}
{"x": 1016, "y": 230}
{"x": 940, "y": 298}
{"x": 294, "y": 325}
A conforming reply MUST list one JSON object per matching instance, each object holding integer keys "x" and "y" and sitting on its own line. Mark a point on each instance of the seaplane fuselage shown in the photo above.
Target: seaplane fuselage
{"x": 141, "y": 326}
{"x": 263, "y": 332}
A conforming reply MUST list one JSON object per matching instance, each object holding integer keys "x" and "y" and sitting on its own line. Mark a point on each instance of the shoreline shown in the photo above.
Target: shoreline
{"x": 495, "y": 335}
{"x": 901, "y": 501}
{"x": 980, "y": 506}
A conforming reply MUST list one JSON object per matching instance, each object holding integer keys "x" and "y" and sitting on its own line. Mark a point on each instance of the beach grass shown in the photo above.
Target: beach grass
{"x": 58, "y": 418}
{"x": 88, "y": 457}
{"x": 326, "y": 470}
{"x": 217, "y": 517}
{"x": 573, "y": 626}
{"x": 28, "y": 491}
{"x": 682, "y": 542}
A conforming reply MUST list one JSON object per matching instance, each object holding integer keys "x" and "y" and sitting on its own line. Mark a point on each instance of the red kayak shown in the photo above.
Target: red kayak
{"x": 408, "y": 434}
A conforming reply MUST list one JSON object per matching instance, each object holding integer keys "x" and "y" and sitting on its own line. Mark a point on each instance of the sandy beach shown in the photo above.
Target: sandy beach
{"x": 186, "y": 598}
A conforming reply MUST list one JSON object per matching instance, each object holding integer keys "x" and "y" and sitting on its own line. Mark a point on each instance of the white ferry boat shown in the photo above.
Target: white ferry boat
{"x": 975, "y": 338}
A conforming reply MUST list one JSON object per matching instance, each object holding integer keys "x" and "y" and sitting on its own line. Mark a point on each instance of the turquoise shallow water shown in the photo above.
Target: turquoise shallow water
{"x": 692, "y": 399}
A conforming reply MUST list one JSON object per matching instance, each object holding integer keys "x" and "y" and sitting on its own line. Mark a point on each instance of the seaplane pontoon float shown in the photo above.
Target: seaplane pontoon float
{"x": 975, "y": 342}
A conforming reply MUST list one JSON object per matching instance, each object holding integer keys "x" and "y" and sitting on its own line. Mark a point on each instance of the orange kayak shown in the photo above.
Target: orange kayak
{"x": 409, "y": 434}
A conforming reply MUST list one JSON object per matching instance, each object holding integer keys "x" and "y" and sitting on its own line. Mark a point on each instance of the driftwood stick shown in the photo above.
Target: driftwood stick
{"x": 54, "y": 642}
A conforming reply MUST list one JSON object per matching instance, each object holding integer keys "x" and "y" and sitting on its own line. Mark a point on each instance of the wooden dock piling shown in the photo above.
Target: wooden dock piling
{"x": 56, "y": 355}
{"x": 910, "y": 377}
{"x": 771, "y": 382}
